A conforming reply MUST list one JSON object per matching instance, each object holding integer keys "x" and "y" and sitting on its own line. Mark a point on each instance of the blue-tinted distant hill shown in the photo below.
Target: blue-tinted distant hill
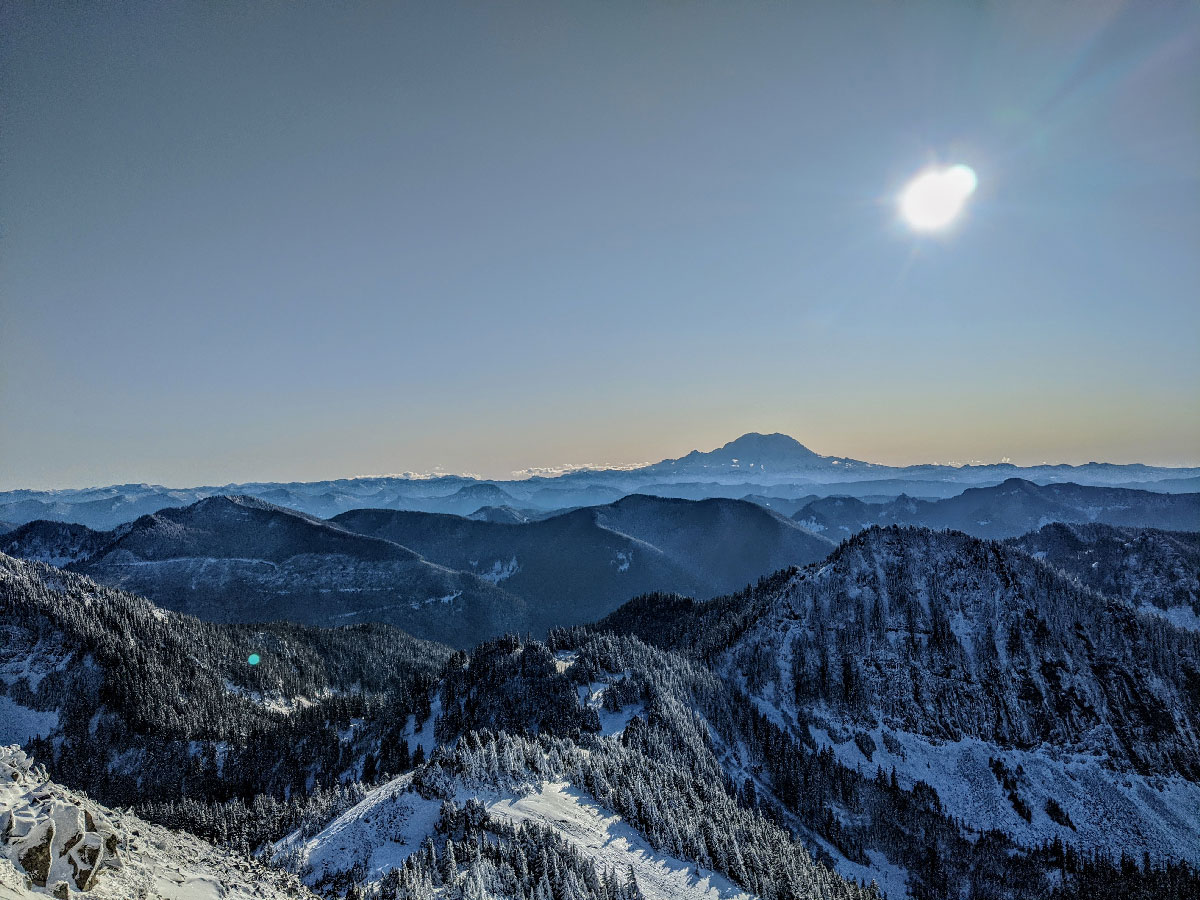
{"x": 444, "y": 577}
{"x": 239, "y": 559}
{"x": 575, "y": 567}
{"x": 1007, "y": 510}
{"x": 1157, "y": 571}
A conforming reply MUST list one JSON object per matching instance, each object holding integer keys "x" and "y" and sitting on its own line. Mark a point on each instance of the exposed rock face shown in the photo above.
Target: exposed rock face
{"x": 54, "y": 842}
{"x": 54, "y": 835}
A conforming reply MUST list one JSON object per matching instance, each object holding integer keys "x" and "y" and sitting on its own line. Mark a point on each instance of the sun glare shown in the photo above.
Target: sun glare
{"x": 936, "y": 197}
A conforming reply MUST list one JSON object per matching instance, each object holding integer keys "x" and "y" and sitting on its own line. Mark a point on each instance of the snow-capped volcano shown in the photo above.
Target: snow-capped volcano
{"x": 751, "y": 455}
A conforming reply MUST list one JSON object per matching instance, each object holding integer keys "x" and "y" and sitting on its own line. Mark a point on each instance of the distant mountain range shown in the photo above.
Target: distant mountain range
{"x": 1006, "y": 510}
{"x": 239, "y": 559}
{"x": 447, "y": 578}
{"x": 461, "y": 579}
{"x": 577, "y": 566}
{"x": 771, "y": 467}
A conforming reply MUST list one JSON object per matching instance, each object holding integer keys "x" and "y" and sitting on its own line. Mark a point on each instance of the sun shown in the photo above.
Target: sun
{"x": 936, "y": 197}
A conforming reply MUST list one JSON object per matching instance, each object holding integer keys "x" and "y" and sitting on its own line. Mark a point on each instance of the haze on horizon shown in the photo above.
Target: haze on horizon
{"x": 291, "y": 242}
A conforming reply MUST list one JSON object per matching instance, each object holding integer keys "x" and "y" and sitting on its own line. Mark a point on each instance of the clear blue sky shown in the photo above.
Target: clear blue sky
{"x": 276, "y": 241}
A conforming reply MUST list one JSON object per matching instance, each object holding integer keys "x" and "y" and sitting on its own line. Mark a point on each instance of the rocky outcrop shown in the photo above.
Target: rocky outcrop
{"x": 56, "y": 842}
{"x": 61, "y": 840}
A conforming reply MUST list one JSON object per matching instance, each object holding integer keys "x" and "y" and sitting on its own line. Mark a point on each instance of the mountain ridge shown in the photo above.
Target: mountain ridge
{"x": 1013, "y": 507}
{"x": 767, "y": 464}
{"x": 581, "y": 564}
{"x": 240, "y": 559}
{"x": 440, "y": 576}
{"x": 684, "y": 766}
{"x": 911, "y": 648}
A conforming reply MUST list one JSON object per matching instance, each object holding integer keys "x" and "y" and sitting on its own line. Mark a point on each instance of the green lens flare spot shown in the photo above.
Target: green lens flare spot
{"x": 253, "y": 659}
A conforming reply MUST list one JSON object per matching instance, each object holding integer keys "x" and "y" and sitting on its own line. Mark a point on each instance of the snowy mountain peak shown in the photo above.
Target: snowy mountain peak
{"x": 754, "y": 444}
{"x": 753, "y": 454}
{"x": 756, "y": 449}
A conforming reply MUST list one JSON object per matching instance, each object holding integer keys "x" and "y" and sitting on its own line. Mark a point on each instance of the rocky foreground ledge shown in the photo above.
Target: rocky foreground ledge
{"x": 59, "y": 839}
{"x": 55, "y": 842}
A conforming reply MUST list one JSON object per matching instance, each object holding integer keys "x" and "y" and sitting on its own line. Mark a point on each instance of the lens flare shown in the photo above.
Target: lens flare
{"x": 253, "y": 659}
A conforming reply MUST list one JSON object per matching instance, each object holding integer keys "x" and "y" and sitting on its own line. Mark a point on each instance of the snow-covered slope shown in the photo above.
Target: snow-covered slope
{"x": 933, "y": 653}
{"x": 637, "y": 787}
{"x": 136, "y": 705}
{"x": 604, "y": 837}
{"x": 1075, "y": 798}
{"x": 1157, "y": 571}
{"x": 926, "y": 704}
{"x": 395, "y": 821}
{"x": 58, "y": 843}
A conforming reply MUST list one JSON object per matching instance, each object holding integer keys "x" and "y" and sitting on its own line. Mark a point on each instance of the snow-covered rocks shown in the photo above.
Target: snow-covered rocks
{"x": 56, "y": 842}
{"x": 59, "y": 840}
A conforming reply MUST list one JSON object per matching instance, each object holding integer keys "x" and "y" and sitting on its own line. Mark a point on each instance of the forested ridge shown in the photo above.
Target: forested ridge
{"x": 164, "y": 712}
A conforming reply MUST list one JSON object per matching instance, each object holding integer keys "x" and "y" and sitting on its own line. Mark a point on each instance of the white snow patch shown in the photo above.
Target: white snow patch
{"x": 148, "y": 860}
{"x": 610, "y": 722}
{"x": 891, "y": 879}
{"x": 32, "y": 664}
{"x": 1155, "y": 814}
{"x": 447, "y": 599}
{"x": 424, "y": 738}
{"x": 277, "y": 702}
{"x": 18, "y": 724}
{"x": 611, "y": 844}
{"x": 393, "y": 821}
{"x": 380, "y": 832}
{"x": 1179, "y": 616}
{"x": 500, "y": 571}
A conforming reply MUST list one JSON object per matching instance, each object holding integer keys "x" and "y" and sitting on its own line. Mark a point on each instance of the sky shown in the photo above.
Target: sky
{"x": 279, "y": 241}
